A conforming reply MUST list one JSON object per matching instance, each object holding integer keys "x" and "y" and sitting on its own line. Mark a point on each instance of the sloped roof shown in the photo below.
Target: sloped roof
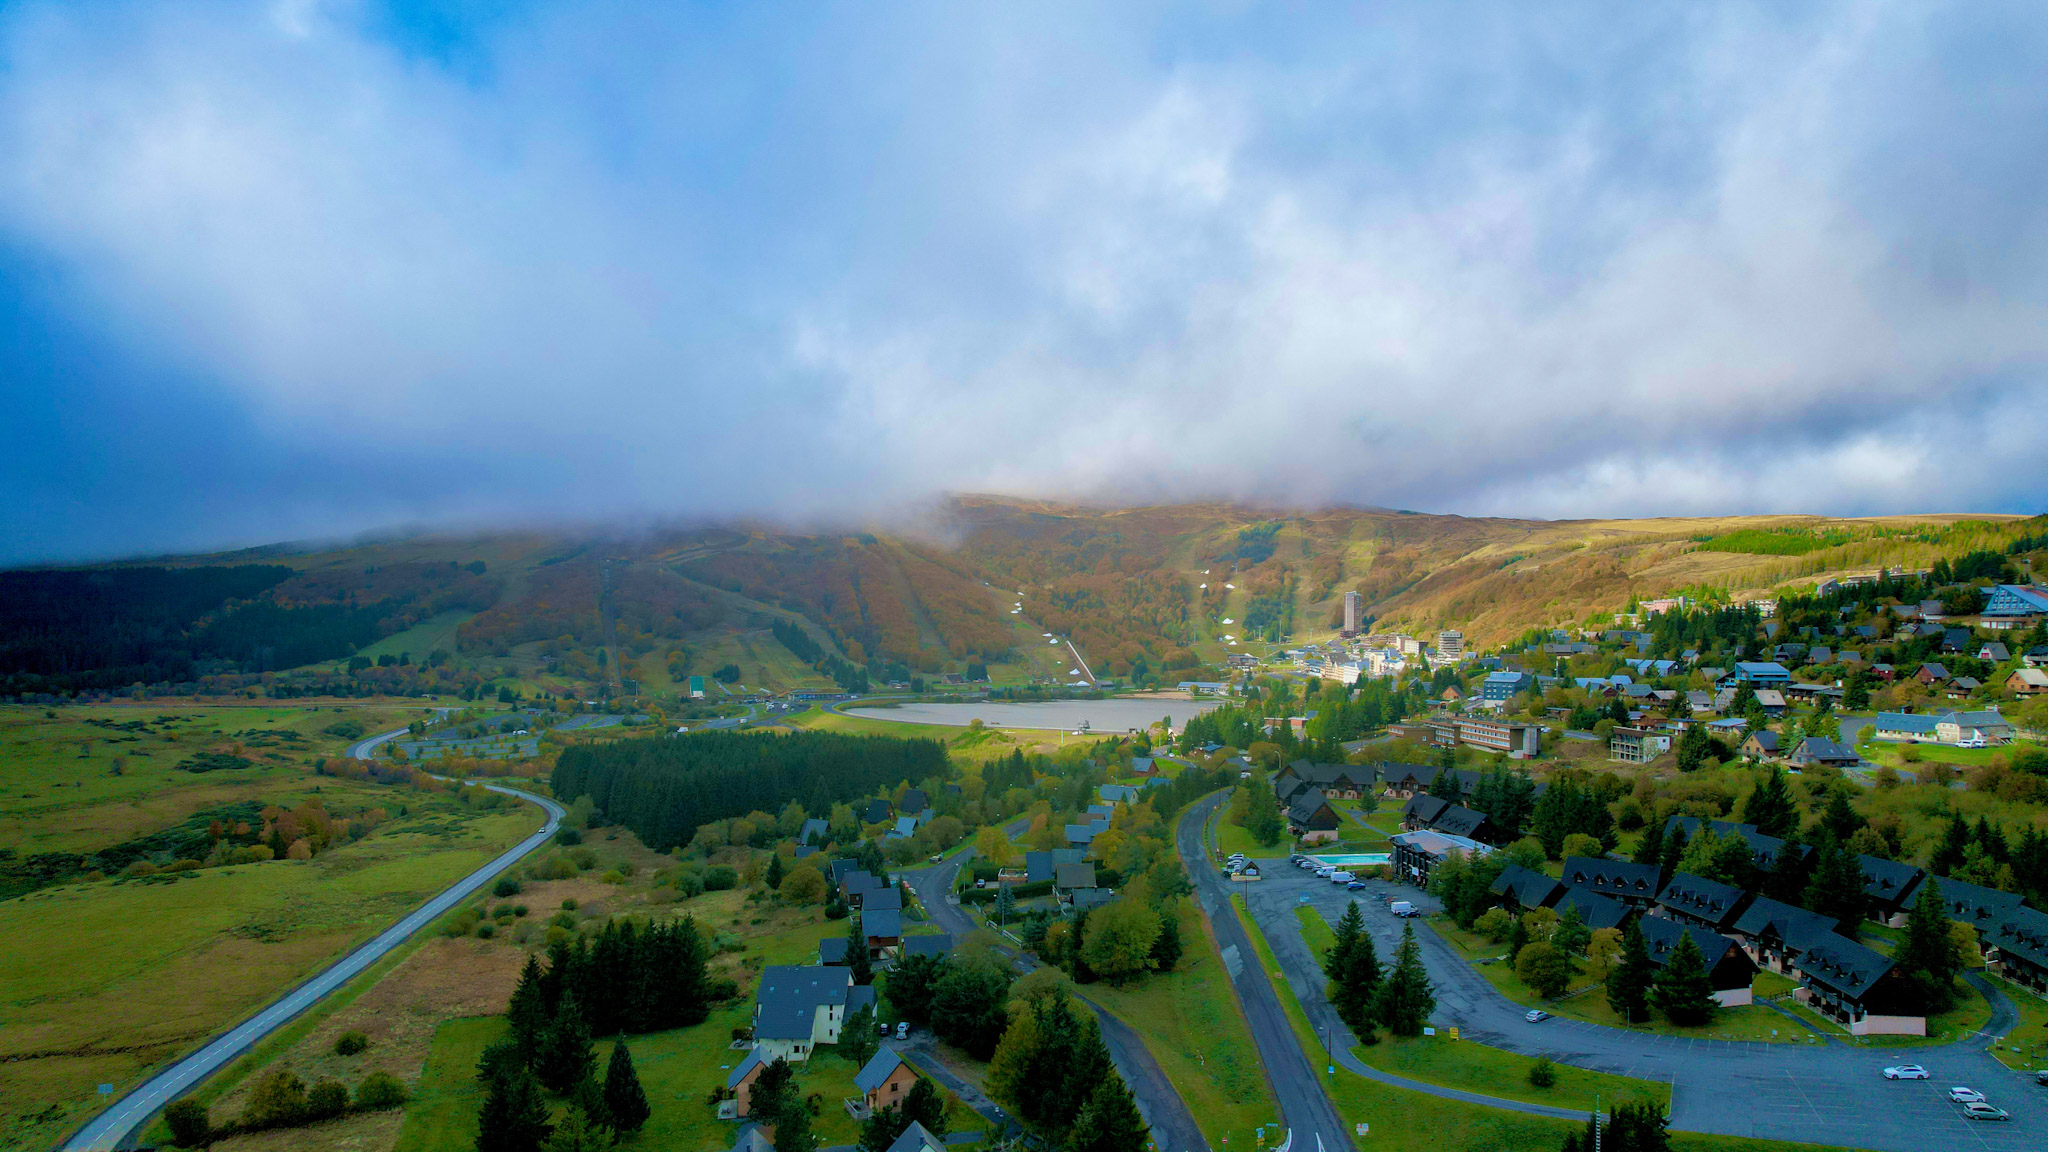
{"x": 1843, "y": 965}
{"x": 2022, "y": 932}
{"x": 745, "y": 1068}
{"x": 1710, "y": 900}
{"x": 1530, "y": 888}
{"x": 876, "y": 1072}
{"x": 1595, "y": 911}
{"x": 1663, "y": 936}
{"x": 875, "y": 812}
{"x": 938, "y": 945}
{"x": 1080, "y": 833}
{"x": 889, "y": 899}
{"x": 1459, "y": 821}
{"x": 1423, "y": 807}
{"x": 790, "y": 994}
{"x": 1888, "y": 881}
{"x": 816, "y": 825}
{"x": 1796, "y": 926}
{"x": 1973, "y": 903}
{"x": 832, "y": 950}
{"x": 1080, "y": 874}
{"x": 1037, "y": 867}
{"x": 913, "y": 801}
{"x": 1611, "y": 877}
{"x": 882, "y": 924}
{"x": 917, "y": 1138}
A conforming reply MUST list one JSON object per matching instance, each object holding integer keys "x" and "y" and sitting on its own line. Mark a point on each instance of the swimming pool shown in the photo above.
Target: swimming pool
{"x": 1355, "y": 859}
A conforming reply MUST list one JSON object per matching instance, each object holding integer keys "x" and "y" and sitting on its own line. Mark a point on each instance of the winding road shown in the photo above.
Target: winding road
{"x": 126, "y": 1116}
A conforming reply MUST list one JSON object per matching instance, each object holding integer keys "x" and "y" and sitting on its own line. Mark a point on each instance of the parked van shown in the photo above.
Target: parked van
{"x": 1340, "y": 877}
{"x": 1403, "y": 908}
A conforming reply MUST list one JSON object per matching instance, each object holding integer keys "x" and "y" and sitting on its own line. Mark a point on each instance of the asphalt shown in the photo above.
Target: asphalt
{"x": 126, "y": 1117}
{"x": 1297, "y": 1083}
{"x": 1159, "y": 1102}
{"x": 1819, "y": 1093}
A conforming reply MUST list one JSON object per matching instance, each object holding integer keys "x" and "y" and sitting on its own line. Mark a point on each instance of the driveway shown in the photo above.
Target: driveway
{"x": 1173, "y": 1125}
{"x": 1822, "y": 1094}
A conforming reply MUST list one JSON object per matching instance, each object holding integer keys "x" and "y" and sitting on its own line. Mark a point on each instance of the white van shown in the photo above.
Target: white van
{"x": 1340, "y": 877}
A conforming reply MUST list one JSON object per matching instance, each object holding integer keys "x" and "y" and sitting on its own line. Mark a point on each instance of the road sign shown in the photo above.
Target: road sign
{"x": 1454, "y": 1031}
{"x": 106, "y": 1089}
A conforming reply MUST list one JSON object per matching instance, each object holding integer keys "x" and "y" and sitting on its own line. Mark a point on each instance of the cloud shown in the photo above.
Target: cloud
{"x": 319, "y": 267}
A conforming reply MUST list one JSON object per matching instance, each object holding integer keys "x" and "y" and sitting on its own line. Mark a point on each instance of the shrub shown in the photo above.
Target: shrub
{"x": 379, "y": 1090}
{"x": 506, "y": 886}
{"x": 568, "y": 837}
{"x": 502, "y": 912}
{"x": 519, "y": 909}
{"x": 140, "y": 868}
{"x": 350, "y": 1043}
{"x": 720, "y": 878}
{"x": 569, "y": 904}
{"x": 689, "y": 885}
{"x": 563, "y": 920}
{"x": 487, "y": 929}
{"x": 583, "y": 858}
{"x": 556, "y": 935}
{"x": 188, "y": 1122}
{"x": 1543, "y": 1073}
{"x": 279, "y": 1101}
{"x": 328, "y": 1099}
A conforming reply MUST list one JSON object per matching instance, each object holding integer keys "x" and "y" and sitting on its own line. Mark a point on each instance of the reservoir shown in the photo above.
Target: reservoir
{"x": 1107, "y": 716}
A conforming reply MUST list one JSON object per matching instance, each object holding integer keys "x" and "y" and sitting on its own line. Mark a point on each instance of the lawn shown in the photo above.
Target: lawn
{"x": 1193, "y": 1026}
{"x": 958, "y": 743}
{"x": 2026, "y": 1045}
{"x": 1233, "y": 838}
{"x": 434, "y": 634}
{"x": 1585, "y": 1001}
{"x": 1969, "y": 1016}
{"x": 128, "y": 973}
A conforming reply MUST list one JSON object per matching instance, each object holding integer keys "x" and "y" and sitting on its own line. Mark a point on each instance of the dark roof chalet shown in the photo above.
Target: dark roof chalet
{"x": 885, "y": 925}
{"x": 875, "y": 812}
{"x": 1530, "y": 888}
{"x": 790, "y": 995}
{"x": 1890, "y": 883}
{"x": 1038, "y": 868}
{"x": 1331, "y": 776}
{"x": 1795, "y": 926}
{"x": 1708, "y": 900}
{"x": 913, "y": 802}
{"x": 832, "y": 950}
{"x": 1077, "y": 875}
{"x": 2022, "y": 932}
{"x": 877, "y": 1070}
{"x": 1460, "y": 821}
{"x": 888, "y": 899}
{"x": 1595, "y": 911}
{"x": 1663, "y": 936}
{"x": 1617, "y": 878}
{"x": 1423, "y": 808}
{"x": 1311, "y": 810}
{"x": 1843, "y": 965}
{"x": 1974, "y": 904}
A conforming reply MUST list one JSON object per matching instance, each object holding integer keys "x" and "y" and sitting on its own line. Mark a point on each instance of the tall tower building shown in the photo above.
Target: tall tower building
{"x": 1351, "y": 613}
{"x": 1450, "y": 644}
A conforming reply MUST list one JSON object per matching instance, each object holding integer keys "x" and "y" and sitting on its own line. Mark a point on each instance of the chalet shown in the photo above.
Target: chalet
{"x": 1693, "y": 899}
{"x": 1764, "y": 674}
{"x": 2027, "y": 681}
{"x": 741, "y": 1083}
{"x": 936, "y": 944}
{"x": 1310, "y": 817}
{"x": 1416, "y": 854}
{"x": 1821, "y": 750}
{"x": 1761, "y": 745}
{"x": 1635, "y": 885}
{"x": 1994, "y": 652}
{"x": 1595, "y": 911}
{"x": 1972, "y": 729}
{"x": 1084, "y": 899}
{"x": 799, "y": 1007}
{"x": 1337, "y": 781}
{"x": 913, "y": 802}
{"x": 1638, "y": 745}
{"x": 1081, "y": 835}
{"x": 2036, "y": 657}
{"x": 1775, "y": 933}
{"x": 1729, "y": 968}
{"x": 1892, "y": 888}
{"x": 884, "y": 1081}
{"x": 1763, "y": 850}
{"x": 1905, "y": 726}
{"x": 885, "y": 899}
{"x": 1855, "y": 986}
{"x": 903, "y": 829}
{"x": 832, "y": 950}
{"x": 2016, "y": 947}
{"x": 884, "y": 930}
{"x": 816, "y": 830}
{"x": 1118, "y": 794}
{"x": 1521, "y": 889}
{"x": 1957, "y": 640}
{"x": 1068, "y": 877}
{"x": 916, "y": 1138}
{"x": 1406, "y": 780}
{"x": 1426, "y": 811}
{"x": 855, "y": 885}
{"x": 875, "y": 813}
{"x": 1931, "y": 674}
{"x": 1973, "y": 904}
{"x": 1771, "y": 700}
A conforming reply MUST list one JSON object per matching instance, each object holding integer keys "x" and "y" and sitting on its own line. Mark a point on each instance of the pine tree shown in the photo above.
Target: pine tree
{"x": 1683, "y": 991}
{"x": 1109, "y": 1122}
{"x": 1405, "y": 998}
{"x": 1628, "y": 982}
{"x": 1955, "y": 843}
{"x": 1650, "y": 849}
{"x": 857, "y": 960}
{"x": 1354, "y": 969}
{"x": 1167, "y": 949}
{"x": 1350, "y": 926}
{"x": 857, "y": 1039}
{"x": 776, "y": 872}
{"x": 1637, "y": 1126}
{"x": 1856, "y": 694}
{"x": 773, "y": 1088}
{"x": 564, "y": 1057}
{"x": 527, "y": 1013}
{"x": 1928, "y": 956}
{"x": 793, "y": 1125}
{"x": 924, "y": 1105}
{"x": 1693, "y": 748}
{"x": 1518, "y": 937}
{"x": 1840, "y": 819}
{"x": 882, "y": 1127}
{"x": 1674, "y": 851}
{"x": 1770, "y": 806}
{"x": 514, "y": 1117}
{"x": 1837, "y": 886}
{"x": 624, "y": 1100}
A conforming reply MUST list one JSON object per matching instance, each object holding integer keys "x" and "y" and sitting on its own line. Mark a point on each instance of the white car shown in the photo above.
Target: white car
{"x": 903, "y": 1030}
{"x": 1963, "y": 1095}
{"x": 1979, "y": 1110}
{"x": 1536, "y": 1016}
{"x": 1906, "y": 1072}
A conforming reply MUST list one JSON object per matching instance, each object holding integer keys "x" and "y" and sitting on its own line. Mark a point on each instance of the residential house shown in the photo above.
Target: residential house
{"x": 1932, "y": 674}
{"x": 1972, "y": 729}
{"x": 913, "y": 802}
{"x": 1521, "y": 889}
{"x": 904, "y": 828}
{"x": 1775, "y": 933}
{"x": 1337, "y": 781}
{"x": 1638, "y": 745}
{"x": 1994, "y": 652}
{"x": 1634, "y": 885}
{"x": 884, "y": 930}
{"x": 1416, "y": 854}
{"x": 1763, "y": 850}
{"x": 935, "y": 944}
{"x": 1711, "y": 904}
{"x": 1729, "y": 968}
{"x": 1068, "y": 877}
{"x": 1759, "y": 674}
{"x": 1771, "y": 700}
{"x": 888, "y": 898}
{"x": 1084, "y": 899}
{"x": 2016, "y": 946}
{"x": 2027, "y": 681}
{"x": 1821, "y": 750}
{"x": 1762, "y": 744}
{"x": 2036, "y": 657}
{"x": 814, "y": 831}
{"x": 883, "y": 1081}
{"x": 1904, "y": 726}
{"x": 1081, "y": 835}
{"x": 1957, "y": 640}
{"x": 1595, "y": 911}
{"x": 832, "y": 950}
{"x": 799, "y": 1007}
{"x": 1974, "y": 904}
{"x": 875, "y": 812}
{"x": 741, "y": 1082}
{"x": 1310, "y": 817}
{"x": 856, "y": 884}
{"x": 1426, "y": 811}
{"x": 1118, "y": 794}
{"x": 1855, "y": 986}
{"x": 1892, "y": 888}
{"x": 917, "y": 1138}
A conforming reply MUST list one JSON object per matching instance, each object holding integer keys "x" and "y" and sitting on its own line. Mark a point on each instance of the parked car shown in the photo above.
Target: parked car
{"x": 1403, "y": 908}
{"x": 882, "y": 1029}
{"x": 1340, "y": 877}
{"x": 1979, "y": 1110}
{"x": 903, "y": 1030}
{"x": 1536, "y": 1016}
{"x": 1355, "y": 886}
{"x": 2041, "y": 1077}
{"x": 1963, "y": 1095}
{"x": 1906, "y": 1072}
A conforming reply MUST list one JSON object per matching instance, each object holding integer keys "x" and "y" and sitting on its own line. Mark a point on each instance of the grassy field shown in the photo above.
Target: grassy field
{"x": 961, "y": 745}
{"x": 2026, "y": 1045}
{"x": 434, "y": 634}
{"x": 1193, "y": 1026}
{"x": 1584, "y": 1001}
{"x": 128, "y": 972}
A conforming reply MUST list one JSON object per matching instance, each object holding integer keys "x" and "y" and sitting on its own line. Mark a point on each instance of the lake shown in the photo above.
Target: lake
{"x": 1101, "y": 715}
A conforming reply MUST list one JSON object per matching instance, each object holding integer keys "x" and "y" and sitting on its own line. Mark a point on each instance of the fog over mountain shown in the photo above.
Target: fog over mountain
{"x": 288, "y": 269}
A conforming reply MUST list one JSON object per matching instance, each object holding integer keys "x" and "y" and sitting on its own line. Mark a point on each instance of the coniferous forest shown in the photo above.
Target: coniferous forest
{"x": 664, "y": 788}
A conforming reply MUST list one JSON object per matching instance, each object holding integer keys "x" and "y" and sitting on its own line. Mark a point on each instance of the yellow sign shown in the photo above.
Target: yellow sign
{"x": 1454, "y": 1031}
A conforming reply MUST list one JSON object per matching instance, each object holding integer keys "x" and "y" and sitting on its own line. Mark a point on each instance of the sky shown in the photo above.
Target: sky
{"x": 302, "y": 269}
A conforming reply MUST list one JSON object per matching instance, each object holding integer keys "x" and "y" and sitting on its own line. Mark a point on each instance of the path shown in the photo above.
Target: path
{"x": 126, "y": 1116}
{"x": 1173, "y": 1125}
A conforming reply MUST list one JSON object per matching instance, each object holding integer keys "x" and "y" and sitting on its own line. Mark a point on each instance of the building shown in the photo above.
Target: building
{"x": 1775, "y": 933}
{"x": 1691, "y": 899}
{"x": 1729, "y": 968}
{"x": 917, "y": 1138}
{"x": 814, "y": 831}
{"x": 2016, "y": 946}
{"x": 884, "y": 1081}
{"x": 1821, "y": 750}
{"x": 1892, "y": 888}
{"x": 741, "y": 1082}
{"x": 1758, "y": 674}
{"x": 884, "y": 929}
{"x": 1973, "y": 904}
{"x": 800, "y": 1006}
{"x": 1416, "y": 854}
{"x": 1068, "y": 877}
{"x": 2027, "y": 681}
{"x": 1905, "y": 726}
{"x": 1521, "y": 889}
{"x": 1761, "y": 744}
{"x": 1638, "y": 745}
{"x": 1426, "y": 811}
{"x": 1519, "y": 741}
{"x": 1855, "y": 987}
{"x": 696, "y": 687}
{"x": 1500, "y": 687}
{"x": 1351, "y": 602}
{"x": 1310, "y": 817}
{"x": 1972, "y": 729}
{"x": 2011, "y": 605}
{"x": 934, "y": 944}
{"x": 1595, "y": 912}
{"x": 1450, "y": 644}
{"x": 1634, "y": 885}
{"x": 1337, "y": 781}
{"x": 1763, "y": 850}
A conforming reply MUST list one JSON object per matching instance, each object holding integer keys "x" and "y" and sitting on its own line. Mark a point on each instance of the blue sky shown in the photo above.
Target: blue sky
{"x": 300, "y": 269}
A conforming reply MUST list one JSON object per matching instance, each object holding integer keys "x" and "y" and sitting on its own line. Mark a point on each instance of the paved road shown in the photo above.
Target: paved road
{"x": 1173, "y": 1125}
{"x": 1828, "y": 1093}
{"x": 1305, "y": 1106}
{"x": 126, "y": 1116}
